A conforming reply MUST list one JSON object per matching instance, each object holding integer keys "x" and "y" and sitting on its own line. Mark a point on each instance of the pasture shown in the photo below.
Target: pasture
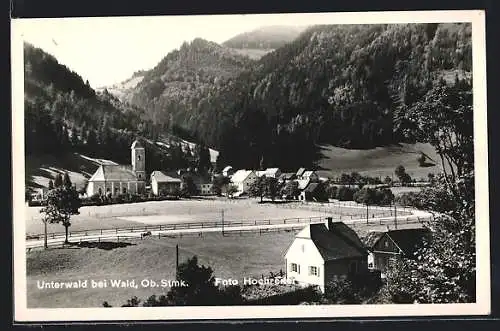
{"x": 249, "y": 255}
{"x": 231, "y": 256}
{"x": 378, "y": 162}
{"x": 164, "y": 212}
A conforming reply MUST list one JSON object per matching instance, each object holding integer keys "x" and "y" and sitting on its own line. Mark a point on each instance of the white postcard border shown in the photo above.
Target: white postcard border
{"x": 481, "y": 307}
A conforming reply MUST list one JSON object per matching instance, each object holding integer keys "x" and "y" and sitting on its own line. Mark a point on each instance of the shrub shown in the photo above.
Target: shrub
{"x": 345, "y": 193}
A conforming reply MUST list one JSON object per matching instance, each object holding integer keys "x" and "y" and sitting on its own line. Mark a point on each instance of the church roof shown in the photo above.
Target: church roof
{"x": 137, "y": 144}
{"x": 122, "y": 173}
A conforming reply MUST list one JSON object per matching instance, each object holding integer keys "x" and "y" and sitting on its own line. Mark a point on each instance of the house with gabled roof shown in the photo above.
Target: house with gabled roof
{"x": 300, "y": 172}
{"x": 243, "y": 179}
{"x": 386, "y": 246}
{"x": 310, "y": 192}
{"x": 321, "y": 253}
{"x": 115, "y": 179}
{"x": 163, "y": 183}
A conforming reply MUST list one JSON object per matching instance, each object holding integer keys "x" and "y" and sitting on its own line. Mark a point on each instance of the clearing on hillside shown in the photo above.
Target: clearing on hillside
{"x": 380, "y": 161}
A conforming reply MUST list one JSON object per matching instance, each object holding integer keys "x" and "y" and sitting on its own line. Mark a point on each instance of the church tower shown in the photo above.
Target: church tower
{"x": 138, "y": 160}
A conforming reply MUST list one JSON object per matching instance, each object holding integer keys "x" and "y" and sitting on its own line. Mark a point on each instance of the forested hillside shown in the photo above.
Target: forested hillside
{"x": 173, "y": 90}
{"x": 335, "y": 84}
{"x": 266, "y": 38}
{"x": 65, "y": 115}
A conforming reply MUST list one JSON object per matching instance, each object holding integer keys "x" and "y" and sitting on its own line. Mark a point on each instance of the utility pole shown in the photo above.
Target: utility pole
{"x": 176, "y": 259}
{"x": 222, "y": 216}
{"x": 45, "y": 244}
{"x": 395, "y": 216}
{"x": 366, "y": 213}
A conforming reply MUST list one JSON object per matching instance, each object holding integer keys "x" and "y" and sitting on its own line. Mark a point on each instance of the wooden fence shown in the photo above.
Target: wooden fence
{"x": 176, "y": 226}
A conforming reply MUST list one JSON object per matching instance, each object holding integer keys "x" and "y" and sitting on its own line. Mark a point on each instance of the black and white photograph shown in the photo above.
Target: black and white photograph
{"x": 250, "y": 166}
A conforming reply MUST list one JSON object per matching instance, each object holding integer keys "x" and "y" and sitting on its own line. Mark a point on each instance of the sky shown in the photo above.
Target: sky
{"x": 105, "y": 51}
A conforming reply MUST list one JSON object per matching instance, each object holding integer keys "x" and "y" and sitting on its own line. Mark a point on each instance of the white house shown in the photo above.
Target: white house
{"x": 203, "y": 184}
{"x": 273, "y": 172}
{"x": 162, "y": 182}
{"x": 260, "y": 173}
{"x": 322, "y": 252}
{"x": 242, "y": 179}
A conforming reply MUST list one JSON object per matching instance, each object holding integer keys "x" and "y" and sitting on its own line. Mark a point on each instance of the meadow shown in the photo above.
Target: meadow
{"x": 250, "y": 255}
{"x": 378, "y": 162}
{"x": 231, "y": 256}
{"x": 202, "y": 210}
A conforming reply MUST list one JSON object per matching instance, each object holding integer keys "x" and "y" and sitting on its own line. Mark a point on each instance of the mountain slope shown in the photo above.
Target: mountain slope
{"x": 265, "y": 38}
{"x": 335, "y": 85}
{"x": 174, "y": 87}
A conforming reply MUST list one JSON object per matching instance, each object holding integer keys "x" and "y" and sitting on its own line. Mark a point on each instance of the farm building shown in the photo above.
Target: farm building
{"x": 310, "y": 193}
{"x": 269, "y": 172}
{"x": 385, "y": 246}
{"x": 203, "y": 184}
{"x": 242, "y": 179}
{"x": 273, "y": 172}
{"x": 120, "y": 179}
{"x": 163, "y": 183}
{"x": 321, "y": 253}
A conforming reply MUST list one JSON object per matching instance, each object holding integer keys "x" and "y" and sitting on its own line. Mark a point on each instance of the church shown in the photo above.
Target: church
{"x": 112, "y": 180}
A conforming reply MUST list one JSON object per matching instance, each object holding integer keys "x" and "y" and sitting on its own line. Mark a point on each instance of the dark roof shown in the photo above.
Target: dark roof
{"x": 372, "y": 237}
{"x": 348, "y": 233}
{"x": 335, "y": 244}
{"x": 409, "y": 240}
{"x": 311, "y": 187}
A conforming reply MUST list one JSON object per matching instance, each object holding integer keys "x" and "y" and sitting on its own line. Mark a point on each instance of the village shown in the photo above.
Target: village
{"x": 324, "y": 249}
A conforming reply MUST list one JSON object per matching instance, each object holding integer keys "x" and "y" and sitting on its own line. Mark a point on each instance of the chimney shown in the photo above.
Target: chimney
{"x": 329, "y": 223}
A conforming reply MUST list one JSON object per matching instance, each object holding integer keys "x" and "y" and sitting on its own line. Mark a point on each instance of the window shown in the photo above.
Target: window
{"x": 124, "y": 190}
{"x": 313, "y": 271}
{"x": 140, "y": 175}
{"x": 138, "y": 157}
{"x": 294, "y": 267}
{"x": 100, "y": 191}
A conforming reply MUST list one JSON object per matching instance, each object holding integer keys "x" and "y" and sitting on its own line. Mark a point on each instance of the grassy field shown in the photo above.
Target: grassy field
{"x": 152, "y": 258}
{"x": 162, "y": 212}
{"x": 380, "y": 161}
{"x": 232, "y": 256}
